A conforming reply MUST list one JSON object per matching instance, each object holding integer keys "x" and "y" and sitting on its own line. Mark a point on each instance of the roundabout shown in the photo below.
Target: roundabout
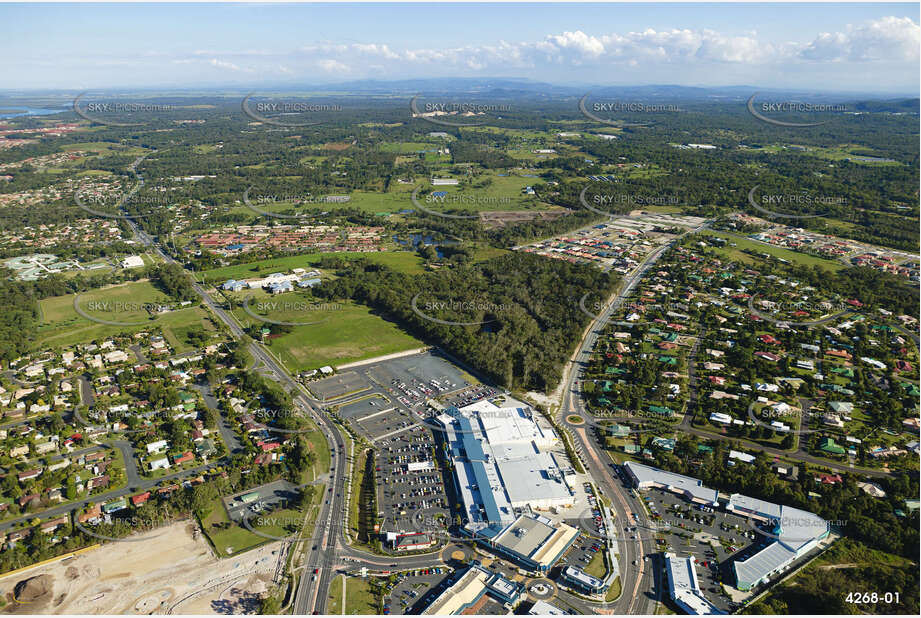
{"x": 542, "y": 589}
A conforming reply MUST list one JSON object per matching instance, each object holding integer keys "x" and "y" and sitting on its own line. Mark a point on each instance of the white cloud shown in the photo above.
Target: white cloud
{"x": 888, "y": 44}
{"x": 578, "y": 42}
{"x": 887, "y": 39}
{"x": 221, "y": 64}
{"x": 333, "y": 66}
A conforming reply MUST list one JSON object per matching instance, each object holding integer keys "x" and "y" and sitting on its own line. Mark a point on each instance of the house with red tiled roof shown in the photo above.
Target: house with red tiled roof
{"x": 98, "y": 481}
{"x": 181, "y": 459}
{"x": 168, "y": 489}
{"x": 140, "y": 499}
{"x": 29, "y": 474}
{"x": 27, "y": 499}
{"x": 53, "y": 524}
{"x": 94, "y": 513}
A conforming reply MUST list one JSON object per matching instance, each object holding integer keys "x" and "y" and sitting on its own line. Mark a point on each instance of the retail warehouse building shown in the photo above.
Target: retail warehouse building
{"x": 504, "y": 469}
{"x": 789, "y": 533}
{"x": 470, "y": 587}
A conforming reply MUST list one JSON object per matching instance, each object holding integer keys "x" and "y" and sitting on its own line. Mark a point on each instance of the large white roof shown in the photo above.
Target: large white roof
{"x": 648, "y": 475}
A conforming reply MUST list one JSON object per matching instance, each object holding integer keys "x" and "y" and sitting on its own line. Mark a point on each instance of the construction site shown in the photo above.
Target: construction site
{"x": 170, "y": 570}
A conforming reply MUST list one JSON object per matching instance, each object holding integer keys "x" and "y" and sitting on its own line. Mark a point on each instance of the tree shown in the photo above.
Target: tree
{"x": 269, "y": 606}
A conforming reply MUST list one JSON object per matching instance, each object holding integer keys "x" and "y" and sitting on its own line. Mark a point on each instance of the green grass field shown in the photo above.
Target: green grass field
{"x": 836, "y": 153}
{"x": 360, "y": 599}
{"x": 614, "y": 591}
{"x": 104, "y": 148}
{"x": 316, "y": 443}
{"x": 409, "y": 147}
{"x": 344, "y": 332}
{"x": 487, "y": 192}
{"x": 334, "y": 599}
{"x": 230, "y": 539}
{"x": 791, "y": 256}
{"x": 61, "y": 325}
{"x": 402, "y": 261}
{"x": 597, "y": 567}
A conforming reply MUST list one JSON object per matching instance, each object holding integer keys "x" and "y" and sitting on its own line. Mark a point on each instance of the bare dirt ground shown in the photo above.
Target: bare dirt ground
{"x": 168, "y": 570}
{"x": 500, "y": 218}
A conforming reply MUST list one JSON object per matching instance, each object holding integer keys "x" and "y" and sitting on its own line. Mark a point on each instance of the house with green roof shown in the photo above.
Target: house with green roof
{"x": 661, "y": 411}
{"x": 206, "y": 448}
{"x": 115, "y": 505}
{"x": 668, "y": 360}
{"x": 667, "y": 444}
{"x": 828, "y": 445}
{"x": 841, "y": 407}
{"x": 618, "y": 431}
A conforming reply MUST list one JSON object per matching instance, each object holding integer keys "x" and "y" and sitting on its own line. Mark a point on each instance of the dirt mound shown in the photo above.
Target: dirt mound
{"x": 72, "y": 572}
{"x": 34, "y": 590}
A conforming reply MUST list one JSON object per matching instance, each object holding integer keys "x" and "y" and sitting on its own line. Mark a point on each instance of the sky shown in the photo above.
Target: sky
{"x": 851, "y": 47}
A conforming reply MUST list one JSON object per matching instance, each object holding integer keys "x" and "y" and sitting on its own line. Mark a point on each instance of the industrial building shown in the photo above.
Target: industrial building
{"x": 683, "y": 587}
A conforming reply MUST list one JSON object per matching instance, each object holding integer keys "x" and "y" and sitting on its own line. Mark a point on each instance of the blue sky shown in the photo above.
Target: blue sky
{"x": 845, "y": 47}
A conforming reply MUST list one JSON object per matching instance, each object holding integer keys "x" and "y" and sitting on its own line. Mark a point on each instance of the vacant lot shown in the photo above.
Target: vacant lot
{"x": 168, "y": 569}
{"x": 63, "y": 326}
{"x": 403, "y": 261}
{"x": 345, "y": 332}
{"x": 360, "y": 600}
{"x": 759, "y": 248}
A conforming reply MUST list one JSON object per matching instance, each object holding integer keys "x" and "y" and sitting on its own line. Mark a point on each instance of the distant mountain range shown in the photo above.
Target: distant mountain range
{"x": 505, "y": 88}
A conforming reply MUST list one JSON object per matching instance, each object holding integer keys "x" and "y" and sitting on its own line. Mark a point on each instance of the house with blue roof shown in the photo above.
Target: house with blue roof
{"x": 233, "y": 285}
{"x": 281, "y": 286}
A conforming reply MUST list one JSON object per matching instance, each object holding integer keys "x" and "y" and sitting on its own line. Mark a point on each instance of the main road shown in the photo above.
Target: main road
{"x": 327, "y": 545}
{"x": 639, "y": 589}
